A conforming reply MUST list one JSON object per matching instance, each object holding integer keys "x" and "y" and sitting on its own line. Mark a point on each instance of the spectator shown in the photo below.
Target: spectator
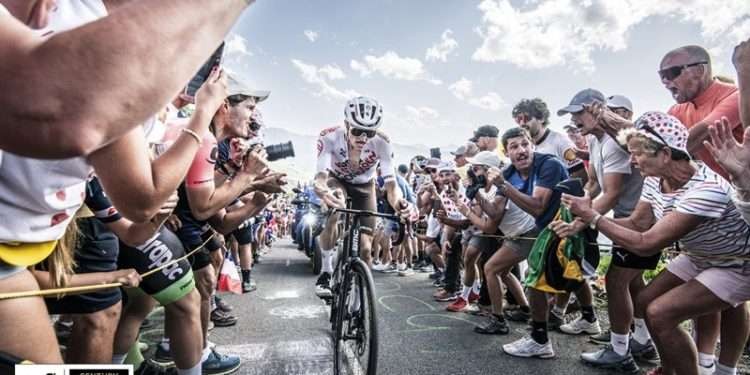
{"x": 689, "y": 203}
{"x": 621, "y": 105}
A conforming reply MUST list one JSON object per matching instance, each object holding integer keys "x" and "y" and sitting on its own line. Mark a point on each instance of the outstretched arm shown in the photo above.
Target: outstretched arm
{"x": 72, "y": 93}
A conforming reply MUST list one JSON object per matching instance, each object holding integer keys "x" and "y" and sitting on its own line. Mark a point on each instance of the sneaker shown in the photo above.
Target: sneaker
{"x": 644, "y": 352}
{"x": 458, "y": 305}
{"x": 446, "y": 296}
{"x": 222, "y": 319}
{"x": 603, "y": 338}
{"x": 526, "y": 347}
{"x": 473, "y": 297}
{"x": 150, "y": 368}
{"x": 439, "y": 283}
{"x": 379, "y": 267}
{"x": 607, "y": 358}
{"x": 479, "y": 310}
{"x": 401, "y": 267}
{"x": 222, "y": 305}
{"x": 519, "y": 315}
{"x": 407, "y": 272}
{"x": 391, "y": 268}
{"x": 493, "y": 326}
{"x": 702, "y": 370}
{"x": 554, "y": 322}
{"x": 323, "y": 286}
{"x": 162, "y": 355}
{"x": 219, "y": 364}
{"x": 437, "y": 275}
{"x": 426, "y": 268}
{"x": 581, "y": 325}
{"x": 249, "y": 286}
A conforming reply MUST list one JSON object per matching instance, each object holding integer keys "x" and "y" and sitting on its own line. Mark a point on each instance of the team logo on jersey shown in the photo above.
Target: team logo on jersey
{"x": 328, "y": 131}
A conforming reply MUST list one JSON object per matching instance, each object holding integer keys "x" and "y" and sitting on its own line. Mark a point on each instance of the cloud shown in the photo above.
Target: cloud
{"x": 420, "y": 117}
{"x": 332, "y": 72}
{"x": 391, "y": 65}
{"x": 311, "y": 35}
{"x": 463, "y": 89}
{"x": 236, "y": 45}
{"x": 422, "y": 112}
{"x": 543, "y": 34}
{"x": 440, "y": 51}
{"x": 319, "y": 77}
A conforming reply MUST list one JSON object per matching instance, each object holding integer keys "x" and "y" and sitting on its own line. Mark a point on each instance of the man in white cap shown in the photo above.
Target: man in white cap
{"x": 621, "y": 105}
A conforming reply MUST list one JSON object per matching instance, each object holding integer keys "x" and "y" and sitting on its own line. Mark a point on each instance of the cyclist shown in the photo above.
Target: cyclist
{"x": 347, "y": 160}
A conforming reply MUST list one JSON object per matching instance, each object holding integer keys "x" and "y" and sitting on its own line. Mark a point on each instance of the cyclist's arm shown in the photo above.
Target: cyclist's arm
{"x": 91, "y": 85}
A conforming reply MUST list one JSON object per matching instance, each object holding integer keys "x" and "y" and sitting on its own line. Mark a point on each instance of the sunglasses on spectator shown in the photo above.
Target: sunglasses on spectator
{"x": 653, "y": 132}
{"x": 671, "y": 73}
{"x": 430, "y": 170}
{"x": 254, "y": 126}
{"x": 477, "y": 168}
{"x": 358, "y": 132}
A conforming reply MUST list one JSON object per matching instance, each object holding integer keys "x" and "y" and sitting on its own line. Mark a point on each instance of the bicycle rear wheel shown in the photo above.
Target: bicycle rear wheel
{"x": 356, "y": 331}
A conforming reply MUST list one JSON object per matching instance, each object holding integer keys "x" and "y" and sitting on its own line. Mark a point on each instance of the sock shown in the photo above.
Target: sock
{"x": 475, "y": 287}
{"x": 465, "y": 292}
{"x": 206, "y": 353}
{"x": 587, "y": 312}
{"x": 539, "y": 332}
{"x": 327, "y": 265}
{"x": 195, "y": 370}
{"x": 619, "y": 342}
{"x": 640, "y": 333}
{"x": 705, "y": 360}
{"x": 245, "y": 276}
{"x": 724, "y": 370}
{"x": 134, "y": 356}
{"x": 118, "y": 359}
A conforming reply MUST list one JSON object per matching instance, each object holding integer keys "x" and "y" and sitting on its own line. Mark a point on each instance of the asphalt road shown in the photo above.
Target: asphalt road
{"x": 283, "y": 329}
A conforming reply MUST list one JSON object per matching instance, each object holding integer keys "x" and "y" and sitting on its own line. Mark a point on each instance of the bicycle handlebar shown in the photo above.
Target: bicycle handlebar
{"x": 358, "y": 213}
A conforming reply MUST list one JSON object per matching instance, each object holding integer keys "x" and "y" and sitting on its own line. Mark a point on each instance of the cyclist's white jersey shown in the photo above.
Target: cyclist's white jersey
{"x": 333, "y": 157}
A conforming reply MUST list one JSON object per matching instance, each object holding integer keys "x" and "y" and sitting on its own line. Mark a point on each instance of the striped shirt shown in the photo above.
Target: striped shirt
{"x": 722, "y": 234}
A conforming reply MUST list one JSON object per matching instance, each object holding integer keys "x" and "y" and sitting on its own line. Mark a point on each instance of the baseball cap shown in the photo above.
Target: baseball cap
{"x": 587, "y": 96}
{"x": 460, "y": 151}
{"x": 571, "y": 127}
{"x": 235, "y": 86}
{"x": 619, "y": 101}
{"x": 664, "y": 129}
{"x": 446, "y": 166}
{"x": 487, "y": 158}
{"x": 485, "y": 131}
{"x": 26, "y": 254}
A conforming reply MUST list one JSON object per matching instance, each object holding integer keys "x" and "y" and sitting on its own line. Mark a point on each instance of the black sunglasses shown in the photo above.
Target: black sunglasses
{"x": 675, "y": 71}
{"x": 358, "y": 132}
{"x": 254, "y": 126}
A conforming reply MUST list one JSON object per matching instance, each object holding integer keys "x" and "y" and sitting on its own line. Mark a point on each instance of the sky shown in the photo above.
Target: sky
{"x": 441, "y": 68}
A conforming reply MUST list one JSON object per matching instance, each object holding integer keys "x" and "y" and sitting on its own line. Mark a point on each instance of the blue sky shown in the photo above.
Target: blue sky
{"x": 442, "y": 68}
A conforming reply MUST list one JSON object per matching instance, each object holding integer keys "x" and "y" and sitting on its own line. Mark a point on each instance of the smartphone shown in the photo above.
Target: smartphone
{"x": 199, "y": 78}
{"x": 435, "y": 153}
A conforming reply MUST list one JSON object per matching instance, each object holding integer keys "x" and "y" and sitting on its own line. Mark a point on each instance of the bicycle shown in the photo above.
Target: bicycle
{"x": 353, "y": 314}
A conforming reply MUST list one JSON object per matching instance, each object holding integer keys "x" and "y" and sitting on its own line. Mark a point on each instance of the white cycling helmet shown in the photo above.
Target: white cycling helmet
{"x": 363, "y": 113}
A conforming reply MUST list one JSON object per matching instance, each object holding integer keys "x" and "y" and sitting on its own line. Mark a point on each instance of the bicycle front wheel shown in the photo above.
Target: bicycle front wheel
{"x": 356, "y": 331}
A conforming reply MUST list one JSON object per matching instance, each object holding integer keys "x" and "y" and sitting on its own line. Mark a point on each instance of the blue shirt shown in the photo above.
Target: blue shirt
{"x": 547, "y": 171}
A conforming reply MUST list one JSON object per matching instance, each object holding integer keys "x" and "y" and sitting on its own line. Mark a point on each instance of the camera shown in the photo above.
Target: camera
{"x": 435, "y": 152}
{"x": 280, "y": 151}
{"x": 477, "y": 183}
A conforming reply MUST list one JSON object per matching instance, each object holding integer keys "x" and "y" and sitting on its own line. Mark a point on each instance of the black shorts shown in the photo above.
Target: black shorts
{"x": 96, "y": 252}
{"x": 201, "y": 258}
{"x": 243, "y": 235}
{"x": 363, "y": 198}
{"x": 625, "y": 259}
{"x": 160, "y": 250}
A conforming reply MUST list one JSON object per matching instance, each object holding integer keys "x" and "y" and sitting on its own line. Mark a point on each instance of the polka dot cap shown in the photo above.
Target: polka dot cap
{"x": 669, "y": 128}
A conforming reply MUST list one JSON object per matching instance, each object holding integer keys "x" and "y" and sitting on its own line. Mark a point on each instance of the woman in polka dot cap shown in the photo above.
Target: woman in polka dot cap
{"x": 683, "y": 202}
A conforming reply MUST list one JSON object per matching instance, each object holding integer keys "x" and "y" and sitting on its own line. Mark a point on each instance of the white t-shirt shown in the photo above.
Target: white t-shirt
{"x": 606, "y": 156}
{"x": 559, "y": 145}
{"x": 38, "y": 198}
{"x": 3, "y": 10}
{"x": 515, "y": 221}
{"x": 722, "y": 233}
{"x": 333, "y": 157}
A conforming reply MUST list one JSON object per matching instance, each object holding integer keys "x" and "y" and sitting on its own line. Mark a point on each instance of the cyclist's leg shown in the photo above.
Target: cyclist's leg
{"x": 18, "y": 328}
{"x": 364, "y": 198}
